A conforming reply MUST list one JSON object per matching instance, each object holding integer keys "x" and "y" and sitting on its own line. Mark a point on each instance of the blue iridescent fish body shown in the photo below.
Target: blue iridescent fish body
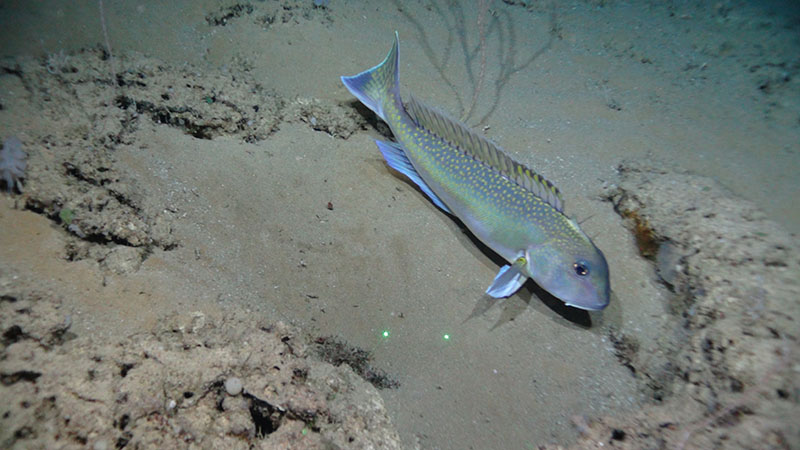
{"x": 509, "y": 207}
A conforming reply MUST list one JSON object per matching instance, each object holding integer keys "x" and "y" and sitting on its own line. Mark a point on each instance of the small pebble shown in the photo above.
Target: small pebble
{"x": 233, "y": 386}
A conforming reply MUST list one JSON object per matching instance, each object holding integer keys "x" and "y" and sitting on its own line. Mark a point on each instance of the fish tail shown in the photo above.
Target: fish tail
{"x": 376, "y": 86}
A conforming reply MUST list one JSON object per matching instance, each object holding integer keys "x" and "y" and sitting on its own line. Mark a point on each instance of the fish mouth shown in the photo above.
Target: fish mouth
{"x": 595, "y": 305}
{"x": 589, "y": 301}
{"x": 598, "y": 307}
{"x": 593, "y": 298}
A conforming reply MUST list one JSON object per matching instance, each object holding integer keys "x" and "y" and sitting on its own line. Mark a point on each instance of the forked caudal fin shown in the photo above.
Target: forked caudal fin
{"x": 374, "y": 86}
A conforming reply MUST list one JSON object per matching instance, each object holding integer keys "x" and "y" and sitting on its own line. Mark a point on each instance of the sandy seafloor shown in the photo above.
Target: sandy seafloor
{"x": 228, "y": 172}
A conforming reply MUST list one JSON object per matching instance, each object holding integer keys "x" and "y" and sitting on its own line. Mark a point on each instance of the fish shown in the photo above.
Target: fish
{"x": 509, "y": 207}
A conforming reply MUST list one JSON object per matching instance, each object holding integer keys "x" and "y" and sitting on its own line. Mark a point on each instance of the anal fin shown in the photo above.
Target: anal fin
{"x": 396, "y": 158}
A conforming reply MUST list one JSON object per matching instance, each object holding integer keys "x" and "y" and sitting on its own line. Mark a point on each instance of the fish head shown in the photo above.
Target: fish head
{"x": 573, "y": 270}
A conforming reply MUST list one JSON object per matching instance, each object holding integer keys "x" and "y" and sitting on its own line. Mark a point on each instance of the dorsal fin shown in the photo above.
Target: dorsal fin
{"x": 484, "y": 150}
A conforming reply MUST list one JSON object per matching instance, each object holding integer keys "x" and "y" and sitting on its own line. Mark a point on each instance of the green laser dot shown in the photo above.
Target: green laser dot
{"x": 385, "y": 333}
{"x": 446, "y": 337}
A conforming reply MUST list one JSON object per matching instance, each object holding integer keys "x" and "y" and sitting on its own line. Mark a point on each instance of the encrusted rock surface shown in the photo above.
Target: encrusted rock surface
{"x": 729, "y": 374}
{"x": 167, "y": 388}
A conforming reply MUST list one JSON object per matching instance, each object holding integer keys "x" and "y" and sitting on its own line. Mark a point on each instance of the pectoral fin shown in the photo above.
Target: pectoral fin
{"x": 508, "y": 280}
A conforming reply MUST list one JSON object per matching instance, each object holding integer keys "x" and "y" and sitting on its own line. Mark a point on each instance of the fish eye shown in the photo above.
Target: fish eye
{"x": 581, "y": 269}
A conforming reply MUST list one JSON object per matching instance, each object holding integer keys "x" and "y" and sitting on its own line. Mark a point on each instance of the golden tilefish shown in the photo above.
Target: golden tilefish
{"x": 508, "y": 206}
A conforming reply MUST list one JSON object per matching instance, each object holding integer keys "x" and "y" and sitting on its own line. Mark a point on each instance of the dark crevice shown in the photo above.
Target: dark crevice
{"x": 167, "y": 115}
{"x": 125, "y": 368}
{"x": 7, "y": 379}
{"x": 13, "y": 334}
{"x": 266, "y": 417}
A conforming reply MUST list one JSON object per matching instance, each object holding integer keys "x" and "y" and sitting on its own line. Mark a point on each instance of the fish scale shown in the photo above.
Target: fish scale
{"x": 512, "y": 209}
